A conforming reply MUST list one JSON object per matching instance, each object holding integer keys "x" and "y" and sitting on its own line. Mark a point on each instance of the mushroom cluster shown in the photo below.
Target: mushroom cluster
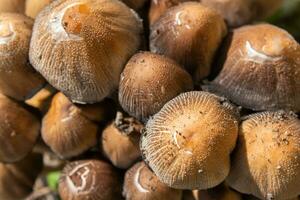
{"x": 147, "y": 100}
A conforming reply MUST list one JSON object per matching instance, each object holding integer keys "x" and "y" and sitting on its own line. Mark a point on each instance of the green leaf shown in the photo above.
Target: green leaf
{"x": 52, "y": 180}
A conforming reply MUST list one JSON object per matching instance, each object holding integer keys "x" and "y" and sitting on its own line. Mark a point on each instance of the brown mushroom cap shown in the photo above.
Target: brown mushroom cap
{"x": 266, "y": 161}
{"x": 120, "y": 141}
{"x": 189, "y": 33}
{"x": 188, "y": 142}
{"x": 70, "y": 130}
{"x": 19, "y": 130}
{"x": 81, "y": 46}
{"x": 141, "y": 183}
{"x": 148, "y": 82}
{"x": 16, "y": 6}
{"x": 17, "y": 179}
{"x": 17, "y": 77}
{"x": 159, "y": 7}
{"x": 261, "y": 69}
{"x": 33, "y": 7}
{"x": 89, "y": 179}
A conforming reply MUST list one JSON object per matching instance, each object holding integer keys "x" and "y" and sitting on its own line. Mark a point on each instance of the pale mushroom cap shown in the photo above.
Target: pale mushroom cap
{"x": 19, "y": 130}
{"x": 261, "y": 55}
{"x": 148, "y": 82}
{"x": 89, "y": 179}
{"x": 159, "y": 7}
{"x": 188, "y": 142}
{"x": 266, "y": 161}
{"x": 16, "y": 6}
{"x": 189, "y": 33}
{"x": 17, "y": 179}
{"x": 66, "y": 130}
{"x": 17, "y": 77}
{"x": 120, "y": 142}
{"x": 141, "y": 183}
{"x": 81, "y": 46}
{"x": 33, "y": 7}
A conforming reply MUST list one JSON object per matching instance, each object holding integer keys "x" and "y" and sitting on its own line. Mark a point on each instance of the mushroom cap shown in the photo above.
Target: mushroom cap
{"x": 188, "y": 142}
{"x": 266, "y": 161}
{"x": 19, "y": 130}
{"x": 120, "y": 141}
{"x": 66, "y": 129}
{"x": 149, "y": 81}
{"x": 159, "y": 7}
{"x": 17, "y": 179}
{"x": 33, "y": 7}
{"x": 81, "y": 46}
{"x": 16, "y": 6}
{"x": 261, "y": 55}
{"x": 141, "y": 183}
{"x": 89, "y": 179}
{"x": 189, "y": 33}
{"x": 17, "y": 77}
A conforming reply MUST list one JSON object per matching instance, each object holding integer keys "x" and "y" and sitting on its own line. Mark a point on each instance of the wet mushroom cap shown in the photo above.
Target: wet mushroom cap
{"x": 188, "y": 142}
{"x": 81, "y": 46}
{"x": 19, "y": 130}
{"x": 189, "y": 33}
{"x": 141, "y": 183}
{"x": 17, "y": 77}
{"x": 261, "y": 69}
{"x": 266, "y": 161}
{"x": 17, "y": 179}
{"x": 89, "y": 179}
{"x": 120, "y": 141}
{"x": 67, "y": 130}
{"x": 33, "y": 7}
{"x": 159, "y": 7}
{"x": 148, "y": 82}
{"x": 15, "y": 6}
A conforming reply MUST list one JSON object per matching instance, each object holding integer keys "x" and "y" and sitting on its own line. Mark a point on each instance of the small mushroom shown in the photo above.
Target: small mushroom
{"x": 14, "y": 6}
{"x": 42, "y": 99}
{"x": 188, "y": 142}
{"x": 141, "y": 183}
{"x": 81, "y": 46}
{"x": 148, "y": 82}
{"x": 261, "y": 69}
{"x": 120, "y": 141}
{"x": 266, "y": 161}
{"x": 17, "y": 179}
{"x": 159, "y": 7}
{"x": 189, "y": 33}
{"x": 19, "y": 130}
{"x": 17, "y": 77}
{"x": 89, "y": 179}
{"x": 33, "y": 7}
{"x": 69, "y": 129}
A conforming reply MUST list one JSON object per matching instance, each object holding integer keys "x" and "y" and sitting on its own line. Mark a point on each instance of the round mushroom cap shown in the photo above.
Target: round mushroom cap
{"x": 159, "y": 7}
{"x": 266, "y": 161}
{"x": 141, "y": 183}
{"x": 120, "y": 141}
{"x": 149, "y": 81}
{"x": 189, "y": 33}
{"x": 81, "y": 46}
{"x": 261, "y": 69}
{"x": 33, "y": 7}
{"x": 17, "y": 77}
{"x": 188, "y": 142}
{"x": 89, "y": 179}
{"x": 68, "y": 129}
{"x": 17, "y": 179}
{"x": 14, "y": 6}
{"x": 19, "y": 130}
